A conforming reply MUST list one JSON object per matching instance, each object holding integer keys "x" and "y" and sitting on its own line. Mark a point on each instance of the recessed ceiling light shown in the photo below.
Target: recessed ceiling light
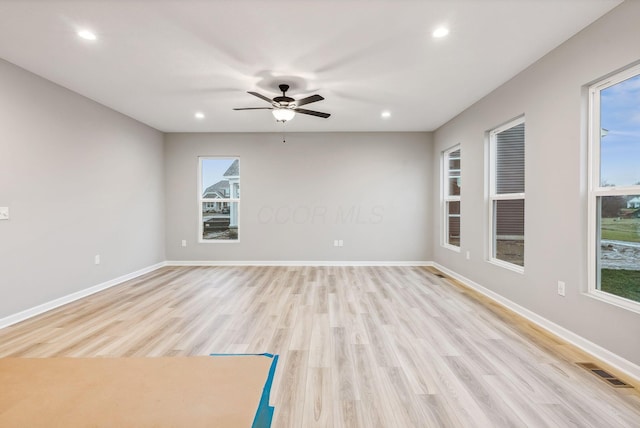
{"x": 199, "y": 115}
{"x": 385, "y": 114}
{"x": 87, "y": 35}
{"x": 440, "y": 32}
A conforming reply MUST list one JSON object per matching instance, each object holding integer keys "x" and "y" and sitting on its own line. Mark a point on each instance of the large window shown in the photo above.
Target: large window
{"x": 506, "y": 194}
{"x": 614, "y": 190}
{"x": 451, "y": 185}
{"x": 219, "y": 204}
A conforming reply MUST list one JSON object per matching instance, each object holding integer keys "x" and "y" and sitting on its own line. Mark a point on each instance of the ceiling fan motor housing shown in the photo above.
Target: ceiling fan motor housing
{"x": 283, "y": 100}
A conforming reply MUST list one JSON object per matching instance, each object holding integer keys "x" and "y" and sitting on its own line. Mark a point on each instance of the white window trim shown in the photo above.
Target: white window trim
{"x": 595, "y": 191}
{"x": 445, "y": 197}
{"x": 201, "y": 200}
{"x": 493, "y": 196}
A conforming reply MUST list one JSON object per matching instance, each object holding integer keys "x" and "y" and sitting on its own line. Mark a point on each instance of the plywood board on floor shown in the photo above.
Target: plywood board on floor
{"x": 220, "y": 391}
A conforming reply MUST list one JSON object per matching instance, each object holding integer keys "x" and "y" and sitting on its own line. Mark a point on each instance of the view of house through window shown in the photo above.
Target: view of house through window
{"x": 451, "y": 196}
{"x": 219, "y": 198}
{"x": 506, "y": 196}
{"x": 615, "y": 185}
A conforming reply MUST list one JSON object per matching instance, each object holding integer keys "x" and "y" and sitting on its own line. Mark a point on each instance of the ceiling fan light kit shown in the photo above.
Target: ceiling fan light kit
{"x": 284, "y": 108}
{"x": 283, "y": 114}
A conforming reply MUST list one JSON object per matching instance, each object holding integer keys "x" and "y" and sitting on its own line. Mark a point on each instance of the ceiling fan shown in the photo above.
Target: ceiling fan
{"x": 284, "y": 108}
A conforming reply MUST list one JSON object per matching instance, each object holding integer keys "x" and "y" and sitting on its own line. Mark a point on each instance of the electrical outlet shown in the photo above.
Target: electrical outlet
{"x": 340, "y": 243}
{"x": 335, "y": 242}
{"x": 4, "y": 213}
{"x": 468, "y": 255}
{"x": 561, "y": 287}
{"x": 97, "y": 259}
{"x": 184, "y": 242}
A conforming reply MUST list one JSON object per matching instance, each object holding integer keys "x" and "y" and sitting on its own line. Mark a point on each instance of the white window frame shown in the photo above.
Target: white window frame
{"x": 597, "y": 191}
{"x": 446, "y": 197}
{"x": 493, "y": 196}
{"x": 202, "y": 200}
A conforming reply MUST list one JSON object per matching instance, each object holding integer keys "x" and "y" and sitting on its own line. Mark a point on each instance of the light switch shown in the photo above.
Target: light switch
{"x": 4, "y": 213}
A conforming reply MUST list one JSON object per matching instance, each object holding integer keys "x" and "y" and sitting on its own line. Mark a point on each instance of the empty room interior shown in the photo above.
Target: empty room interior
{"x": 428, "y": 211}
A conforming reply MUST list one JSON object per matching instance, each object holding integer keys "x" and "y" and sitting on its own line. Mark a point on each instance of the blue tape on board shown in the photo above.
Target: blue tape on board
{"x": 264, "y": 413}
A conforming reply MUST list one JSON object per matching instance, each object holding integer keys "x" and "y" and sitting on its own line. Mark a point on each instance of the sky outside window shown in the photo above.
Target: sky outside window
{"x": 213, "y": 170}
{"x": 620, "y": 145}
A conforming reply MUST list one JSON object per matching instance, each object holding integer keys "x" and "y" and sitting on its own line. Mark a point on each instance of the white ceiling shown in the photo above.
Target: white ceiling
{"x": 161, "y": 61}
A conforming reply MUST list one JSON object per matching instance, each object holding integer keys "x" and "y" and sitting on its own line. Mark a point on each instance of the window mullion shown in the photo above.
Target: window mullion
{"x": 508, "y": 196}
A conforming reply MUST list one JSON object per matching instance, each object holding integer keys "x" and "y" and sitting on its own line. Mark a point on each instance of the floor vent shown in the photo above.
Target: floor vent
{"x": 604, "y": 375}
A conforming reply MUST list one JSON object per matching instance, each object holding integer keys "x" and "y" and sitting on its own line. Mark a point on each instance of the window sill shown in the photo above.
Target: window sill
{"x": 507, "y": 265}
{"x": 612, "y": 299}
{"x": 451, "y": 247}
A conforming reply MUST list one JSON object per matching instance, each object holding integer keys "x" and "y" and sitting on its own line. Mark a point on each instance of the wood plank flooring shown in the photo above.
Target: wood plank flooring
{"x": 358, "y": 346}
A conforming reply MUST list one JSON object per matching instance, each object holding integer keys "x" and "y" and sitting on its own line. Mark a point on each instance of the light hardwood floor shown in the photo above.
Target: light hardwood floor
{"x": 358, "y": 346}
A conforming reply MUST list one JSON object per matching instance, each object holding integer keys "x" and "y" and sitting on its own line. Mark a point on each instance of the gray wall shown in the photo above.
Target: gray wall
{"x": 80, "y": 180}
{"x": 551, "y": 95}
{"x": 372, "y": 190}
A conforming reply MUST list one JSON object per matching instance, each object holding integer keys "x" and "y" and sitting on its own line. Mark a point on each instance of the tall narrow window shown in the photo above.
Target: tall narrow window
{"x": 219, "y": 204}
{"x": 451, "y": 184}
{"x": 506, "y": 194}
{"x": 614, "y": 190}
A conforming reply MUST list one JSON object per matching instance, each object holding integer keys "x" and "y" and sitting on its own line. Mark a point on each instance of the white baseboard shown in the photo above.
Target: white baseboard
{"x": 37, "y": 310}
{"x": 293, "y": 263}
{"x": 597, "y": 351}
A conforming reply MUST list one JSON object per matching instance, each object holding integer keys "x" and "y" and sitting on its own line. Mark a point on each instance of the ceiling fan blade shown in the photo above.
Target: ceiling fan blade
{"x": 262, "y": 97}
{"x": 254, "y": 108}
{"x": 308, "y": 100}
{"x": 311, "y": 112}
